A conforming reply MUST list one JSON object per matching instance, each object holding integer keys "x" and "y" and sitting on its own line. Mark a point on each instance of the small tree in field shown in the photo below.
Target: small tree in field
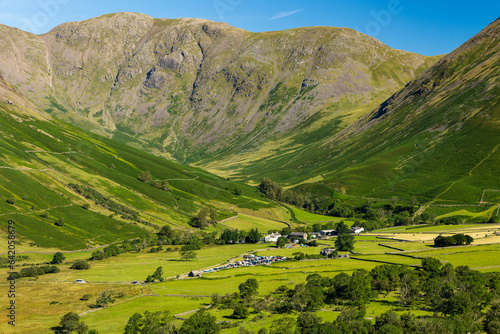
{"x": 58, "y": 258}
{"x": 187, "y": 254}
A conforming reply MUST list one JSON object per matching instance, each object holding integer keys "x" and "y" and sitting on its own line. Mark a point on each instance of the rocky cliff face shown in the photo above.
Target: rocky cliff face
{"x": 195, "y": 88}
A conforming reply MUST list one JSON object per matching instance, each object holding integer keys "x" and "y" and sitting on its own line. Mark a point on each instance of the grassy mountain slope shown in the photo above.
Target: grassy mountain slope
{"x": 50, "y": 171}
{"x": 202, "y": 91}
{"x": 438, "y": 138}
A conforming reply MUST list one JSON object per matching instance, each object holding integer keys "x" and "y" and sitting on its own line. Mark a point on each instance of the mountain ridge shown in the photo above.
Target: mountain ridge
{"x": 196, "y": 89}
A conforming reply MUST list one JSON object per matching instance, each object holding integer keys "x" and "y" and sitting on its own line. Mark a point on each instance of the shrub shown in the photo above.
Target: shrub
{"x": 10, "y": 201}
{"x": 240, "y": 312}
{"x": 86, "y": 296}
{"x": 80, "y": 265}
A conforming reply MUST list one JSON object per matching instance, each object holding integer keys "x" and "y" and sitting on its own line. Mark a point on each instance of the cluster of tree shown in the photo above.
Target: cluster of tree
{"x": 110, "y": 251}
{"x": 229, "y": 236}
{"x": 106, "y": 297}
{"x": 105, "y": 202}
{"x": 162, "y": 322}
{"x": 463, "y": 300}
{"x": 454, "y": 240}
{"x": 33, "y": 272}
{"x": 318, "y": 204}
{"x": 146, "y": 177}
{"x": 352, "y": 320}
{"x": 460, "y": 295}
{"x": 391, "y": 214}
{"x": 5, "y": 262}
{"x": 204, "y": 218}
{"x": 71, "y": 323}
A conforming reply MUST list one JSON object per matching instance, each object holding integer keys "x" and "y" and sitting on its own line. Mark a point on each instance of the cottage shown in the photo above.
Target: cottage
{"x": 273, "y": 237}
{"x": 297, "y": 236}
{"x": 357, "y": 230}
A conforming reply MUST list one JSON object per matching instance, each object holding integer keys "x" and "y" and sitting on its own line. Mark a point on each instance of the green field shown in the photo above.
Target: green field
{"x": 182, "y": 295}
{"x": 311, "y": 217}
{"x": 246, "y": 222}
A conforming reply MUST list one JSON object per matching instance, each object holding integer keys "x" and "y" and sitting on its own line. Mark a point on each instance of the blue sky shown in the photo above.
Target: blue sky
{"x": 428, "y": 27}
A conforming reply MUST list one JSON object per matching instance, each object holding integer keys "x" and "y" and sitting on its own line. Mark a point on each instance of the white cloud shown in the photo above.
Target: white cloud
{"x": 281, "y": 15}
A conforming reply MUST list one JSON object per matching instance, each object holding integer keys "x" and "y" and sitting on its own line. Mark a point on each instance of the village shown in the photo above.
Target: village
{"x": 297, "y": 239}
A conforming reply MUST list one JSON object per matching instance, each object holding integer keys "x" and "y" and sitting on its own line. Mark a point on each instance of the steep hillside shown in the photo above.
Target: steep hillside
{"x": 438, "y": 138}
{"x": 199, "y": 90}
{"x": 69, "y": 189}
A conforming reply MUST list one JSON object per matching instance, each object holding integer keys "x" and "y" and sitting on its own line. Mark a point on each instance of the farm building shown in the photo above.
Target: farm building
{"x": 273, "y": 237}
{"x": 327, "y": 251}
{"x": 326, "y": 233}
{"x": 297, "y": 236}
{"x": 357, "y": 230}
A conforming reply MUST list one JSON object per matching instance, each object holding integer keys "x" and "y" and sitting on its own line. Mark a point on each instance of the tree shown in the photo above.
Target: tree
{"x": 341, "y": 228}
{"x": 359, "y": 288}
{"x": 344, "y": 242}
{"x": 159, "y": 273}
{"x": 492, "y": 319}
{"x": 388, "y": 318}
{"x": 160, "y": 322}
{"x": 58, "y": 258}
{"x": 409, "y": 290}
{"x": 71, "y": 322}
{"x": 353, "y": 321}
{"x": 229, "y": 236}
{"x": 201, "y": 322}
{"x": 240, "y": 312}
{"x": 80, "y": 265}
{"x": 146, "y": 177}
{"x": 249, "y": 287}
{"x": 282, "y": 241}
{"x": 309, "y": 323}
{"x": 253, "y": 237}
{"x": 431, "y": 266}
{"x": 105, "y": 298}
{"x": 284, "y": 325}
{"x": 166, "y": 232}
{"x": 59, "y": 222}
{"x": 187, "y": 254}
{"x": 237, "y": 191}
{"x": 98, "y": 255}
{"x": 201, "y": 219}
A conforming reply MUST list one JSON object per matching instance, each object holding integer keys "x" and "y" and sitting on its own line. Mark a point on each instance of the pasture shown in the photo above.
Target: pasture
{"x": 179, "y": 294}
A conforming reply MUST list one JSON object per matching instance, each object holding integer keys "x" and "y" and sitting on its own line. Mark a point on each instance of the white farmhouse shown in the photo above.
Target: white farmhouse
{"x": 273, "y": 237}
